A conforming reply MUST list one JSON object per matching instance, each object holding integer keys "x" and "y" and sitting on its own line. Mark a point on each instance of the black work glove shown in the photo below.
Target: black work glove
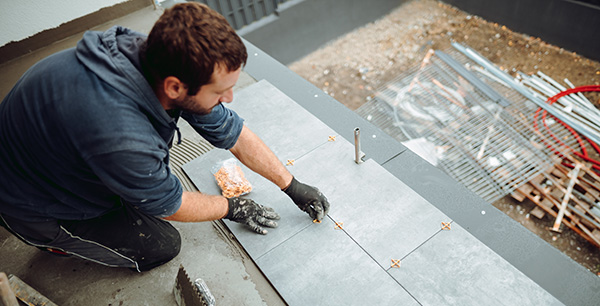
{"x": 254, "y": 215}
{"x": 309, "y": 199}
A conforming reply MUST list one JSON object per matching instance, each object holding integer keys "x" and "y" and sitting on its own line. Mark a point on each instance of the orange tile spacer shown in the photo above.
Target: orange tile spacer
{"x": 338, "y": 225}
{"x": 331, "y": 138}
{"x": 395, "y": 263}
{"x": 316, "y": 221}
{"x": 290, "y": 162}
{"x": 446, "y": 226}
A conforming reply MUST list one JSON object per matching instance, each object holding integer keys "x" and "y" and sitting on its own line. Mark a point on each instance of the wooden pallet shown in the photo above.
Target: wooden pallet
{"x": 548, "y": 190}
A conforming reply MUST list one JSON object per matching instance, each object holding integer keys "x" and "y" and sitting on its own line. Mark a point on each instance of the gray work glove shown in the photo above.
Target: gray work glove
{"x": 252, "y": 214}
{"x": 308, "y": 199}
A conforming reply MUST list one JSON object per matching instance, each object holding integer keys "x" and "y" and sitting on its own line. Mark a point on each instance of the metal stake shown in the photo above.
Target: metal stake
{"x": 358, "y": 154}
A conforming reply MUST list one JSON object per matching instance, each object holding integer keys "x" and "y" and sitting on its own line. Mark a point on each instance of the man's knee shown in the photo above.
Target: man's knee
{"x": 161, "y": 249}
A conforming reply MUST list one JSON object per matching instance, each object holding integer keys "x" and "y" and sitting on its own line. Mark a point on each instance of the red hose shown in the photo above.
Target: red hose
{"x": 594, "y": 145}
{"x": 584, "y": 154}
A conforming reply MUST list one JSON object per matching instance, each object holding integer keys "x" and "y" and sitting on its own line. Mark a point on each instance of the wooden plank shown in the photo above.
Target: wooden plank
{"x": 563, "y": 205}
{"x": 547, "y": 203}
{"x": 557, "y": 193}
{"x": 538, "y": 179}
{"x": 558, "y": 174}
{"x": 538, "y": 212}
{"x": 526, "y": 188}
{"x": 518, "y": 195}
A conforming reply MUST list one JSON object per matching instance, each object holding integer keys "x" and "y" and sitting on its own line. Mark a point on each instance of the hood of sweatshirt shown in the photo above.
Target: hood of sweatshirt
{"x": 113, "y": 56}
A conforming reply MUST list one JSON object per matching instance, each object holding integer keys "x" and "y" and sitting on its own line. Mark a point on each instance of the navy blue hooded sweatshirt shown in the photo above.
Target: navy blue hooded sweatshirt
{"x": 82, "y": 133}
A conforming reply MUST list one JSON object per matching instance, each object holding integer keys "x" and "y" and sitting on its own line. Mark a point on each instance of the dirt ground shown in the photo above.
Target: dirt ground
{"x": 352, "y": 68}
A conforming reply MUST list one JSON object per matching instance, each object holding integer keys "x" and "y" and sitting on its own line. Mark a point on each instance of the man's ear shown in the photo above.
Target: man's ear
{"x": 174, "y": 88}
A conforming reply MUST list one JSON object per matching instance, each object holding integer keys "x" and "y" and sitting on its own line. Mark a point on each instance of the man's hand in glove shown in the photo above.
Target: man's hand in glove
{"x": 254, "y": 215}
{"x": 308, "y": 198}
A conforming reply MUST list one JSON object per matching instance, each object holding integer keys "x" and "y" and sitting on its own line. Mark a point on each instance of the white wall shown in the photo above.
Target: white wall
{"x": 20, "y": 19}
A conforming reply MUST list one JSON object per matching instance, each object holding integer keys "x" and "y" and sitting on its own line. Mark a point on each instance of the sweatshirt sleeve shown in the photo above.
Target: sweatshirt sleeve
{"x": 140, "y": 178}
{"x": 221, "y": 127}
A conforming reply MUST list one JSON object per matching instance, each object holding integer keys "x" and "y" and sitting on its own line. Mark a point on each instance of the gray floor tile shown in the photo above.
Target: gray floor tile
{"x": 264, "y": 192}
{"x": 287, "y": 128}
{"x": 383, "y": 219}
{"x": 323, "y": 266}
{"x": 454, "y": 268}
{"x": 386, "y": 217}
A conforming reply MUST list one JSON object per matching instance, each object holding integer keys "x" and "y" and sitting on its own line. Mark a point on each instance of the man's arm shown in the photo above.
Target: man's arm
{"x": 255, "y": 154}
{"x": 197, "y": 207}
{"x": 250, "y": 150}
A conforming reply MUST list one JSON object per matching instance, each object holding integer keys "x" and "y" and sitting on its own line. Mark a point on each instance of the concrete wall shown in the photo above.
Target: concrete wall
{"x": 24, "y": 18}
{"x": 569, "y": 24}
{"x": 301, "y": 26}
{"x": 28, "y": 25}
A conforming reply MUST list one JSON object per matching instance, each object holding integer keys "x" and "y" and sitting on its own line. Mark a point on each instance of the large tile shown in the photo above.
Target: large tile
{"x": 377, "y": 144}
{"x": 382, "y": 214}
{"x": 454, "y": 268}
{"x": 287, "y": 128}
{"x": 263, "y": 192}
{"x": 323, "y": 266}
{"x": 503, "y": 235}
{"x": 383, "y": 219}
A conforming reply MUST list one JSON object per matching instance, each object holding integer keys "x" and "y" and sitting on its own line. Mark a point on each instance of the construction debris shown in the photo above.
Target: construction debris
{"x": 551, "y": 189}
{"x": 465, "y": 121}
{"x": 499, "y": 135}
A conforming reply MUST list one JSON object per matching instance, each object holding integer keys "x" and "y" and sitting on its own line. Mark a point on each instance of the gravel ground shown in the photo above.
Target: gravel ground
{"x": 352, "y": 68}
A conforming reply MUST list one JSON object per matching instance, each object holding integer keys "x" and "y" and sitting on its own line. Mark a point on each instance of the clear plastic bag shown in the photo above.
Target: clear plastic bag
{"x": 230, "y": 178}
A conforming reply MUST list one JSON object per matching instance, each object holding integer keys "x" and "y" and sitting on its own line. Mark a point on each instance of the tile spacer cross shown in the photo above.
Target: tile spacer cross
{"x": 338, "y": 225}
{"x": 290, "y": 162}
{"x": 331, "y": 138}
{"x": 446, "y": 226}
{"x": 395, "y": 263}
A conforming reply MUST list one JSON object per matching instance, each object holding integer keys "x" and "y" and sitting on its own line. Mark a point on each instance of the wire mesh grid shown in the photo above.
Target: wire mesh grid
{"x": 472, "y": 136}
{"x": 541, "y": 131}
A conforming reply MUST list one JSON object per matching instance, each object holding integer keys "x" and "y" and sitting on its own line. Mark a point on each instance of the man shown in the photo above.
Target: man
{"x": 85, "y": 133}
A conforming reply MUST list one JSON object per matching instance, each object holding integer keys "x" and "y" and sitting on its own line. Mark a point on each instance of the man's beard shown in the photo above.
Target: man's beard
{"x": 189, "y": 105}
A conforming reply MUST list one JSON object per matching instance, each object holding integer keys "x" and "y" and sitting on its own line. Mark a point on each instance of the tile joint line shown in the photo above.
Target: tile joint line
{"x": 420, "y": 245}
{"x": 384, "y": 270}
{"x": 282, "y": 242}
{"x": 313, "y": 149}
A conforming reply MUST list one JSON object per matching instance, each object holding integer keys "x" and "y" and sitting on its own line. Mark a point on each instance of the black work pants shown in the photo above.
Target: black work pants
{"x": 121, "y": 238}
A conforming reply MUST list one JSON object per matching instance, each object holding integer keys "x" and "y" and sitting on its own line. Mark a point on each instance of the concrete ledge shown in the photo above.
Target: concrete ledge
{"x": 13, "y": 49}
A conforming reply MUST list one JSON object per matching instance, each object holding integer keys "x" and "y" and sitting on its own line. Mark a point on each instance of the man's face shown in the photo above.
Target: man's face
{"x": 219, "y": 90}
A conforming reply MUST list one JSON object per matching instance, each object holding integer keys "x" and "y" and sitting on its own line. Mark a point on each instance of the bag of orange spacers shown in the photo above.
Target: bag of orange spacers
{"x": 230, "y": 179}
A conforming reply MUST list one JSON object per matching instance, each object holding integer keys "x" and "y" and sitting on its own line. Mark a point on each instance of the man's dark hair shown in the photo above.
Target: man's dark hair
{"x": 187, "y": 42}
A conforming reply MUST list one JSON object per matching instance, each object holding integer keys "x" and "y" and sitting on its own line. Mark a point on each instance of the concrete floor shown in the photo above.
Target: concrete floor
{"x": 207, "y": 252}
